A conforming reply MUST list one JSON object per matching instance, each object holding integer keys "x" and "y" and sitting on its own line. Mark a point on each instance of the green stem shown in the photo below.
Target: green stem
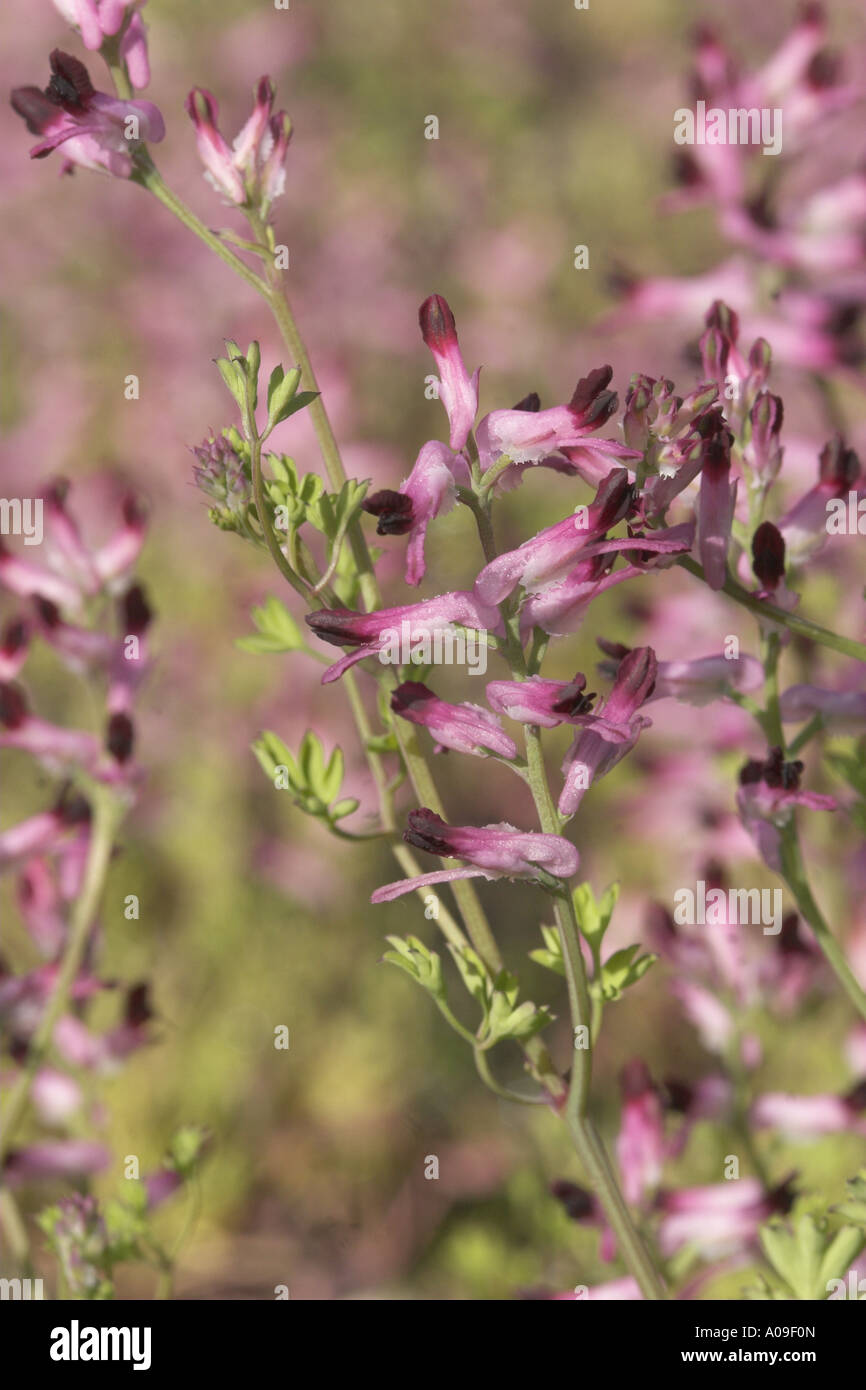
{"x": 794, "y": 874}
{"x": 768, "y": 612}
{"x": 107, "y": 812}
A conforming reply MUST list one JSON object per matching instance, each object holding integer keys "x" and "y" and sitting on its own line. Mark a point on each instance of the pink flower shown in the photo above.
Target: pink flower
{"x": 466, "y": 728}
{"x": 720, "y": 1218}
{"x": 61, "y": 1158}
{"x": 839, "y": 709}
{"x": 251, "y": 172}
{"x": 767, "y": 796}
{"x": 560, "y": 608}
{"x": 599, "y": 747}
{"x": 99, "y": 132}
{"x": 539, "y": 701}
{"x": 428, "y": 492}
{"x": 548, "y": 557}
{"x": 14, "y": 646}
{"x": 807, "y": 1117}
{"x": 387, "y": 631}
{"x": 529, "y": 436}
{"x": 458, "y": 391}
{"x": 640, "y": 1146}
{"x": 698, "y": 681}
{"x": 491, "y": 851}
{"x": 42, "y": 833}
{"x": 716, "y": 508}
{"x": 804, "y": 525}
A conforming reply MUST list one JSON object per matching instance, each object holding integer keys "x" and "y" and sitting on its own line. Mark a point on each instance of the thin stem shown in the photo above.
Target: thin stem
{"x": 107, "y": 811}
{"x": 770, "y": 613}
{"x": 794, "y": 874}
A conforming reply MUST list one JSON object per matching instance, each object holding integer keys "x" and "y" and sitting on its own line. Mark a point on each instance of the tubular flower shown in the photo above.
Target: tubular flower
{"x": 98, "y": 132}
{"x": 428, "y": 492}
{"x": 599, "y": 747}
{"x": 251, "y": 171}
{"x": 549, "y": 556}
{"x": 394, "y": 634}
{"x": 716, "y": 508}
{"x": 804, "y": 526}
{"x": 458, "y": 391}
{"x": 538, "y": 701}
{"x": 490, "y": 851}
{"x": 97, "y": 20}
{"x": 698, "y": 681}
{"x": 466, "y": 728}
{"x": 529, "y": 435}
{"x": 768, "y": 794}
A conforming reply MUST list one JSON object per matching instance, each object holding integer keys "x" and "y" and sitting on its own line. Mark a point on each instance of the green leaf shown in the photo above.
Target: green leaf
{"x": 278, "y": 631}
{"x": 234, "y": 379}
{"x": 620, "y": 971}
{"x": 282, "y": 395}
{"x": 185, "y": 1149}
{"x": 807, "y": 1257}
{"x": 417, "y": 960}
{"x": 854, "y": 1208}
{"x": 550, "y": 955}
{"x": 474, "y": 974}
{"x": 593, "y": 917}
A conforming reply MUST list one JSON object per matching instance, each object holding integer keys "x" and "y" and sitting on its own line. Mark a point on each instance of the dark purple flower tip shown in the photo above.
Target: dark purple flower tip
{"x": 424, "y": 832}
{"x": 70, "y": 85}
{"x": 13, "y": 705}
{"x": 337, "y": 626}
{"x": 635, "y": 1080}
{"x": 578, "y": 1203}
{"x": 138, "y": 1009}
{"x": 714, "y": 874}
{"x": 438, "y": 328}
{"x": 34, "y": 108}
{"x": 751, "y": 773}
{"x": 16, "y": 635}
{"x": 636, "y": 676}
{"x": 781, "y": 1199}
{"x": 136, "y": 614}
{"x": 408, "y": 694}
{"x": 49, "y": 613}
{"x": 393, "y": 511}
{"x": 591, "y": 396}
{"x": 676, "y": 1095}
{"x": 768, "y": 555}
{"x": 725, "y": 319}
{"x": 824, "y": 70}
{"x": 774, "y": 771}
{"x": 120, "y": 737}
{"x": 614, "y": 499}
{"x": 856, "y": 1097}
{"x": 573, "y": 700}
{"x": 531, "y": 403}
{"x": 790, "y": 941}
{"x": 767, "y": 414}
{"x": 71, "y": 808}
{"x": 839, "y": 465}
{"x": 133, "y": 510}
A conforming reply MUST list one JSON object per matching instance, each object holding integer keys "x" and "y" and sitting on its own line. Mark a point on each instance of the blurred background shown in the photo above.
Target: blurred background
{"x": 555, "y": 131}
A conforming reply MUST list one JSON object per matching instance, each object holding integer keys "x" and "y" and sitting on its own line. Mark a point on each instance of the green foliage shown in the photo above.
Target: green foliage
{"x": 313, "y": 783}
{"x": 277, "y": 630}
{"x": 807, "y": 1256}
{"x": 502, "y": 1016}
{"x": 619, "y": 971}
